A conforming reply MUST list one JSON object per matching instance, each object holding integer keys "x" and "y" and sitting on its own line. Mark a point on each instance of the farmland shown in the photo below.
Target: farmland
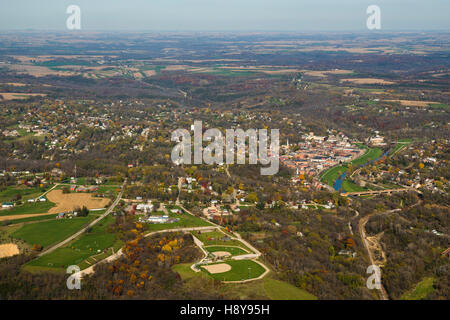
{"x": 92, "y": 243}
{"x": 50, "y": 232}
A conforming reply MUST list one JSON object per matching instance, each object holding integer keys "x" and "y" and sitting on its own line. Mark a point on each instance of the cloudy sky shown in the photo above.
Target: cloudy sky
{"x": 226, "y": 15}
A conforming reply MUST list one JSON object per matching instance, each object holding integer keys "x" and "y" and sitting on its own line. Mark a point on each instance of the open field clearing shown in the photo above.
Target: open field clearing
{"x": 367, "y": 81}
{"x": 14, "y": 84}
{"x": 10, "y": 193}
{"x": 8, "y": 250}
{"x": 412, "y": 103}
{"x": 421, "y": 290}
{"x": 280, "y": 290}
{"x": 27, "y": 209}
{"x": 19, "y": 95}
{"x": 186, "y": 221}
{"x": 371, "y": 154}
{"x": 92, "y": 245}
{"x": 216, "y": 238}
{"x": 38, "y": 71}
{"x": 26, "y": 217}
{"x": 266, "y": 288}
{"x": 323, "y": 74}
{"x": 50, "y": 232}
{"x": 68, "y": 201}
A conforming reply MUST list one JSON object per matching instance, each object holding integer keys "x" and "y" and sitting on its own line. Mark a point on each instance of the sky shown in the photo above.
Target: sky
{"x": 225, "y": 15}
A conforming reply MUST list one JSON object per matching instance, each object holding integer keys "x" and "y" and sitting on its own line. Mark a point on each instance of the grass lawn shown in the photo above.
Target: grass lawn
{"x": 29, "y": 208}
{"x": 215, "y": 238}
{"x": 267, "y": 288}
{"x": 330, "y": 175}
{"x": 349, "y": 186}
{"x": 371, "y": 154}
{"x": 10, "y": 193}
{"x": 240, "y": 270}
{"x": 280, "y": 290}
{"x": 51, "y": 232}
{"x": 186, "y": 221}
{"x": 421, "y": 291}
{"x": 31, "y": 219}
{"x": 400, "y": 145}
{"x": 233, "y": 250}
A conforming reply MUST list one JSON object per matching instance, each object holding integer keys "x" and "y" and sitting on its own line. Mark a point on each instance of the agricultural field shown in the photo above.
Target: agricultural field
{"x": 48, "y": 233}
{"x": 93, "y": 245}
{"x": 28, "y": 208}
{"x": 66, "y": 202}
{"x": 25, "y": 193}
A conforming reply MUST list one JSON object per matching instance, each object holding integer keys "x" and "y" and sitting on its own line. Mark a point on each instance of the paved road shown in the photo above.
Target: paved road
{"x": 108, "y": 211}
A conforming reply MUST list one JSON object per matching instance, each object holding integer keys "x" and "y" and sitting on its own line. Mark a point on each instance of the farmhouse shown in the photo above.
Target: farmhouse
{"x": 7, "y": 205}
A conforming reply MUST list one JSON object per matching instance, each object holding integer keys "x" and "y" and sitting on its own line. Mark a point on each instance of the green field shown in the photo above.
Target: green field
{"x": 233, "y": 250}
{"x": 400, "y": 145}
{"x": 371, "y": 154}
{"x": 10, "y": 193}
{"x": 280, "y": 290}
{"x": 267, "y": 288}
{"x": 29, "y": 208}
{"x": 421, "y": 291}
{"x": 186, "y": 221}
{"x": 349, "y": 186}
{"x": 93, "y": 243}
{"x": 31, "y": 219}
{"x": 212, "y": 238}
{"x": 51, "y": 232}
{"x": 240, "y": 270}
{"x": 330, "y": 175}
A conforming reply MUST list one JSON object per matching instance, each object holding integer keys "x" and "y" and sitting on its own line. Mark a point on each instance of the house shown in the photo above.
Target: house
{"x": 42, "y": 199}
{"x": 30, "y": 200}
{"x": 7, "y": 205}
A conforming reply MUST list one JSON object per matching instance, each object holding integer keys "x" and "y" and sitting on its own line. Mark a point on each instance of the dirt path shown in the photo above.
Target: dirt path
{"x": 8, "y": 250}
{"x": 362, "y": 231}
{"x": 22, "y": 216}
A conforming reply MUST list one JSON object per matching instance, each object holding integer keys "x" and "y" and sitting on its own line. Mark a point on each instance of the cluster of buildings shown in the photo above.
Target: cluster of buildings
{"x": 75, "y": 188}
{"x": 216, "y": 213}
{"x": 318, "y": 153}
